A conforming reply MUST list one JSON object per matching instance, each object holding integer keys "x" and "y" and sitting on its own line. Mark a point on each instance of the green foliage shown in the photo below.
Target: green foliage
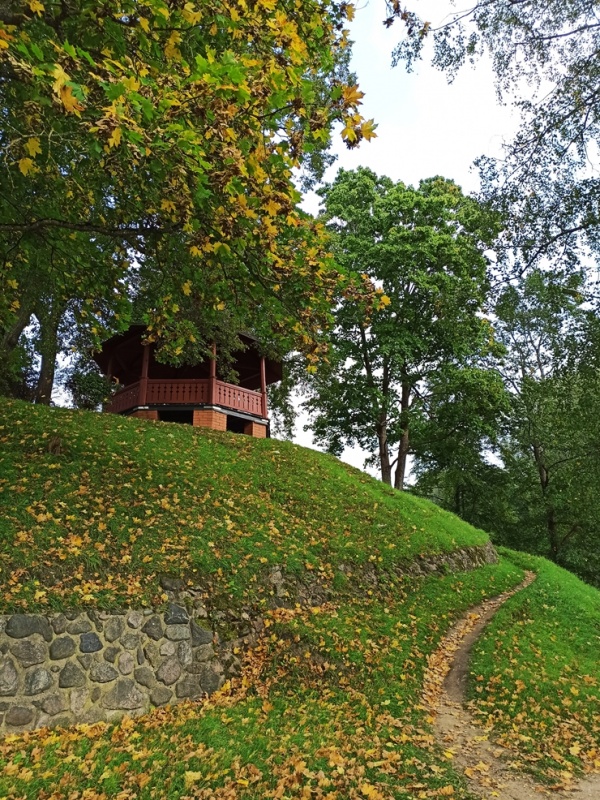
{"x": 544, "y": 55}
{"x": 98, "y": 506}
{"x": 150, "y": 148}
{"x": 425, "y": 350}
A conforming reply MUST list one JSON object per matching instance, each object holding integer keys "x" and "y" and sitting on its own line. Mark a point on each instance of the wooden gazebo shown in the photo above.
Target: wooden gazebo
{"x": 188, "y": 394}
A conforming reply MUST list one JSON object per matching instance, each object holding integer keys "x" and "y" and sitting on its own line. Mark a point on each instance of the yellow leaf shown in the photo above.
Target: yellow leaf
{"x": 33, "y": 146}
{"x": 36, "y": 6}
{"x": 71, "y": 103}
{"x": 144, "y": 24}
{"x": 350, "y": 12}
{"x": 384, "y": 300}
{"x": 187, "y": 288}
{"x": 352, "y": 96}
{"x": 114, "y": 139}
{"x": 189, "y": 778}
{"x": 26, "y": 165}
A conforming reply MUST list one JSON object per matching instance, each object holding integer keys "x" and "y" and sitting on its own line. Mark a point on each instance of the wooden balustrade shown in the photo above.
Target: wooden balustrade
{"x": 187, "y": 392}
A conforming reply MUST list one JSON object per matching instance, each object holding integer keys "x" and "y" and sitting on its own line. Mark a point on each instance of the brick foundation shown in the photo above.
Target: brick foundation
{"x": 256, "y": 429}
{"x": 208, "y": 418}
{"x": 145, "y": 414}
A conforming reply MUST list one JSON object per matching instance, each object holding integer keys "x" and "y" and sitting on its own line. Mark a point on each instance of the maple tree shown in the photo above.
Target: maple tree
{"x": 151, "y": 146}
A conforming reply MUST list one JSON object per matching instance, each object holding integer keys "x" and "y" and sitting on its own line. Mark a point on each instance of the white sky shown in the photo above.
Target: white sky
{"x": 426, "y": 126}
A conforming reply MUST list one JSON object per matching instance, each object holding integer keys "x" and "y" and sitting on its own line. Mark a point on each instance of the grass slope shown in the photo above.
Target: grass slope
{"x": 329, "y": 704}
{"x": 95, "y": 507}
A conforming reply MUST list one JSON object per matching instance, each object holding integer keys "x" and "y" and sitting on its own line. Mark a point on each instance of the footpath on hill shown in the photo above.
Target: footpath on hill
{"x": 486, "y": 765}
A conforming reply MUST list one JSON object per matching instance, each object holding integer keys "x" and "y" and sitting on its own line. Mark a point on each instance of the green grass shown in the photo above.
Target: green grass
{"x": 96, "y": 507}
{"x": 329, "y": 705}
{"x": 332, "y": 705}
{"x": 538, "y": 664}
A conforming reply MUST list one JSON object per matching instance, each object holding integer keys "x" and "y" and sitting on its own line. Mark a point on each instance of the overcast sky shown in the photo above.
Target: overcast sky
{"x": 426, "y": 126}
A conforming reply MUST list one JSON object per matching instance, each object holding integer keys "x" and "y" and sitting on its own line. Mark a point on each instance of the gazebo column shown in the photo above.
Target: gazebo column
{"x": 210, "y": 417}
{"x": 263, "y": 386}
{"x": 143, "y": 393}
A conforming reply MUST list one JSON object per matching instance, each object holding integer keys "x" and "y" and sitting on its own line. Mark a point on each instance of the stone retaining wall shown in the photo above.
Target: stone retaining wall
{"x": 86, "y": 667}
{"x": 60, "y": 669}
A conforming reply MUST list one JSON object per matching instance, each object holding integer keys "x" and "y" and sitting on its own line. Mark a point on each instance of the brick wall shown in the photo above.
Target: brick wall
{"x": 208, "y": 418}
{"x": 256, "y": 429}
{"x": 145, "y": 414}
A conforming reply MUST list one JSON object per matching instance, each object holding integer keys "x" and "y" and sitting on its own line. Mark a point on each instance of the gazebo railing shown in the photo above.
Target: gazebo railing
{"x": 199, "y": 391}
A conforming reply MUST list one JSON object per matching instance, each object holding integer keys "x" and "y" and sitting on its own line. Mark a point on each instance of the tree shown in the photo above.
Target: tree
{"x": 541, "y": 495}
{"x": 424, "y": 249}
{"x": 545, "y": 57}
{"x": 153, "y": 145}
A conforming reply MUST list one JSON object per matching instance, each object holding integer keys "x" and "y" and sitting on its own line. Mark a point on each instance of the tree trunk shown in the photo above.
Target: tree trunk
{"x": 384, "y": 454}
{"x": 10, "y": 339}
{"x": 49, "y": 323}
{"x": 404, "y": 446}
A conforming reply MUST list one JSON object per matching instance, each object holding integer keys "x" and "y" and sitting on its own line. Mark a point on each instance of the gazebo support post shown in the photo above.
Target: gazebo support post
{"x": 213, "y": 376}
{"x": 263, "y": 387}
{"x": 144, "y": 376}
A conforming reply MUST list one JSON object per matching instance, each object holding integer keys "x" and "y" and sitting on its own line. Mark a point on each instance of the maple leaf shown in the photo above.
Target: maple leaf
{"x": 69, "y": 101}
{"x": 33, "y": 146}
{"x": 352, "y": 96}
{"x": 26, "y": 166}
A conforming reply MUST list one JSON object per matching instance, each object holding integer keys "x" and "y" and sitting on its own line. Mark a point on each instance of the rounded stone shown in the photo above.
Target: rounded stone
{"x": 62, "y": 648}
{"x": 130, "y": 641}
{"x": 188, "y": 687}
{"x": 18, "y": 716}
{"x": 59, "y": 623}
{"x": 125, "y": 663}
{"x": 29, "y": 653}
{"x": 135, "y": 619}
{"x": 20, "y": 626}
{"x": 55, "y": 704}
{"x": 184, "y": 653}
{"x": 37, "y": 681}
{"x": 101, "y": 672}
{"x": 113, "y": 628}
{"x": 200, "y": 635}
{"x": 177, "y": 632}
{"x": 210, "y": 679}
{"x": 169, "y": 671}
{"x": 145, "y": 676}
{"x": 71, "y": 675}
{"x": 9, "y": 678}
{"x": 111, "y": 653}
{"x": 153, "y": 628}
{"x": 160, "y": 695}
{"x": 81, "y": 625}
{"x": 89, "y": 643}
{"x": 168, "y": 649}
{"x": 124, "y": 695}
{"x": 176, "y": 615}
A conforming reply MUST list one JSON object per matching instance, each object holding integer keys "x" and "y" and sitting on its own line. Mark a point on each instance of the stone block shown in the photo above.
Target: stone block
{"x": 71, "y": 675}
{"x": 20, "y": 626}
{"x": 37, "y": 681}
{"x": 125, "y": 695}
{"x": 145, "y": 676}
{"x": 176, "y": 615}
{"x": 62, "y": 648}
{"x": 55, "y": 704}
{"x": 28, "y": 653}
{"x": 178, "y": 632}
{"x": 200, "y": 635}
{"x": 89, "y": 643}
{"x": 169, "y": 671}
{"x": 153, "y": 628}
{"x": 79, "y": 625}
{"x": 125, "y": 663}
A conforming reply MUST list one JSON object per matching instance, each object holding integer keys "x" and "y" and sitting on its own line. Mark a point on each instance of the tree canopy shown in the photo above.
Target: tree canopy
{"x": 148, "y": 148}
{"x": 545, "y": 57}
{"x": 424, "y": 249}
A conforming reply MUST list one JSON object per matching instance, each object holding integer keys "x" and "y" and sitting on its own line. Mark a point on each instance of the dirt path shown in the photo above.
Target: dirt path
{"x": 484, "y": 763}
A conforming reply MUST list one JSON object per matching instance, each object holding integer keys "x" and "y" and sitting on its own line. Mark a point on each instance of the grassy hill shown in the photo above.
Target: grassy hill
{"x": 95, "y": 508}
